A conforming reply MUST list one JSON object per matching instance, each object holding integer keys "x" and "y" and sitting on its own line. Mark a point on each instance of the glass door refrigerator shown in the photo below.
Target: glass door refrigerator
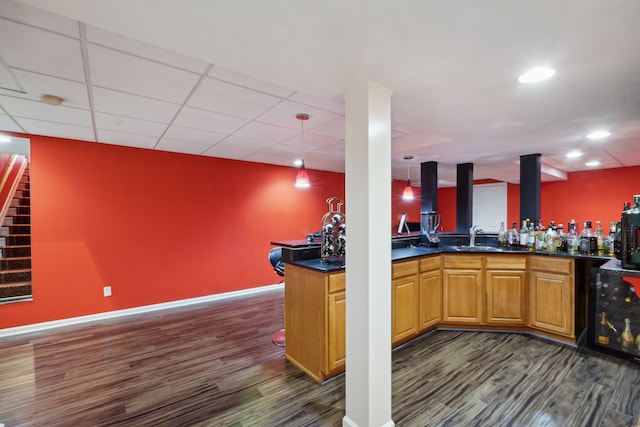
{"x": 614, "y": 311}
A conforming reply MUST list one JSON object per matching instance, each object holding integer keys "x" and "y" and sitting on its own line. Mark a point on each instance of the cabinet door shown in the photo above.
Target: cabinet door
{"x": 506, "y": 297}
{"x": 551, "y": 302}
{"x": 430, "y": 300}
{"x": 336, "y": 332}
{"x": 462, "y": 296}
{"x": 404, "y": 308}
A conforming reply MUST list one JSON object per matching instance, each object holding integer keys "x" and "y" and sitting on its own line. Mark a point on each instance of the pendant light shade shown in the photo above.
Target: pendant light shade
{"x": 407, "y": 193}
{"x": 302, "y": 177}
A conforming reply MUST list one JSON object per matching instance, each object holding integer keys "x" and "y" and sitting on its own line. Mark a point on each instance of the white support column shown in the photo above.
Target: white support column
{"x": 368, "y": 261}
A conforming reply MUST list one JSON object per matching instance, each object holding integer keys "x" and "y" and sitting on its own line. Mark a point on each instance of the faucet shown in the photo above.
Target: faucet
{"x": 472, "y": 234}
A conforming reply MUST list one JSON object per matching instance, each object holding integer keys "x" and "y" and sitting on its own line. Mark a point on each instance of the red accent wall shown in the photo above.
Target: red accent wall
{"x": 583, "y": 196}
{"x": 156, "y": 226}
{"x": 400, "y": 206}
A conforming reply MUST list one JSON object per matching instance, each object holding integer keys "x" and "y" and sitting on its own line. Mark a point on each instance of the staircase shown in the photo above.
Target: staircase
{"x": 15, "y": 246}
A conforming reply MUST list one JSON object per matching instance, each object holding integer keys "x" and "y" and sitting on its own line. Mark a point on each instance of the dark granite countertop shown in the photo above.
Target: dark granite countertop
{"x": 407, "y": 253}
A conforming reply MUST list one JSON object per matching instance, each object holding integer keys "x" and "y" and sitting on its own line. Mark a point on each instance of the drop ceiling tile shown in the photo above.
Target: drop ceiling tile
{"x": 228, "y": 152}
{"x": 333, "y": 105}
{"x": 196, "y": 136}
{"x": 248, "y": 82}
{"x": 312, "y": 142}
{"x": 73, "y": 94}
{"x": 334, "y": 129}
{"x": 39, "y": 18}
{"x": 284, "y": 114}
{"x": 128, "y": 125}
{"x": 115, "y": 70}
{"x": 144, "y": 50}
{"x": 126, "y": 139}
{"x": 205, "y": 120}
{"x": 225, "y": 98}
{"x": 176, "y": 146}
{"x": 24, "y": 108}
{"x": 32, "y": 49}
{"x": 269, "y": 158}
{"x": 267, "y": 133}
{"x": 8, "y": 125}
{"x": 58, "y": 130}
{"x": 8, "y": 81}
{"x": 236, "y": 142}
{"x": 110, "y": 101}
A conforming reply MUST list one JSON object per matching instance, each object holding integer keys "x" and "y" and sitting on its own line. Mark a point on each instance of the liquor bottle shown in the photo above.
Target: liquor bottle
{"x": 599, "y": 239}
{"x": 550, "y": 238}
{"x": 603, "y": 331}
{"x": 572, "y": 237}
{"x": 626, "y": 337}
{"x": 531, "y": 238}
{"x": 524, "y": 233}
{"x": 502, "y": 235}
{"x": 513, "y": 237}
{"x": 560, "y": 241}
{"x": 586, "y": 237}
{"x": 630, "y": 235}
{"x": 611, "y": 239}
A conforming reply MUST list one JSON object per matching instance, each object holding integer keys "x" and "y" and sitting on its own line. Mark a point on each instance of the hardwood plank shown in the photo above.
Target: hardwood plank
{"x": 214, "y": 365}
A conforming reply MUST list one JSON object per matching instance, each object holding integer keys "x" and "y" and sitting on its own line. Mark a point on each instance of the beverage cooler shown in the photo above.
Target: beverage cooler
{"x": 614, "y": 310}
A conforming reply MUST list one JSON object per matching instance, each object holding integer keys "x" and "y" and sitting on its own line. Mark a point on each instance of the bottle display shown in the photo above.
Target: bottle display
{"x": 572, "y": 237}
{"x": 513, "y": 238}
{"x": 603, "y": 330}
{"x": 587, "y": 242}
{"x": 334, "y": 241}
{"x": 502, "y": 235}
{"x": 626, "y": 338}
{"x": 524, "y": 234}
{"x": 599, "y": 239}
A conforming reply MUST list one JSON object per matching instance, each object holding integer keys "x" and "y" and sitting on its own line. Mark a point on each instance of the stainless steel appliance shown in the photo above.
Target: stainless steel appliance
{"x": 430, "y": 221}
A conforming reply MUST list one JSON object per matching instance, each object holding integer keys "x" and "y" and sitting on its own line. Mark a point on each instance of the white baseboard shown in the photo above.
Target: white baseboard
{"x": 18, "y": 330}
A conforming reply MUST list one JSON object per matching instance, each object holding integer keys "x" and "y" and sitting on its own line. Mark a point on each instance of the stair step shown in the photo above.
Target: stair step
{"x": 13, "y": 276}
{"x": 18, "y": 289}
{"x": 20, "y": 229}
{"x": 15, "y": 251}
{"x": 17, "y": 240}
{"x": 21, "y": 219}
{"x": 15, "y": 263}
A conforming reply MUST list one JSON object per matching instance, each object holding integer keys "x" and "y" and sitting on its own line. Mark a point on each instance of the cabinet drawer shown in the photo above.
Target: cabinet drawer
{"x": 551, "y": 264}
{"x": 430, "y": 263}
{"x": 337, "y": 282}
{"x": 406, "y": 268}
{"x": 462, "y": 261}
{"x": 506, "y": 262}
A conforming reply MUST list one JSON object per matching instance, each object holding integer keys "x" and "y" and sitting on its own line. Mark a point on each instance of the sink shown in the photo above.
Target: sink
{"x": 476, "y": 248}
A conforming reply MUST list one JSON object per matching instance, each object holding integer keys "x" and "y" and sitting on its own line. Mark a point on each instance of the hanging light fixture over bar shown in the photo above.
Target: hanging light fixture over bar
{"x": 302, "y": 178}
{"x": 407, "y": 194}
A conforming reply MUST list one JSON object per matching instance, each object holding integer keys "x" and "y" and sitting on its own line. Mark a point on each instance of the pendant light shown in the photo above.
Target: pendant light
{"x": 302, "y": 178}
{"x": 407, "y": 194}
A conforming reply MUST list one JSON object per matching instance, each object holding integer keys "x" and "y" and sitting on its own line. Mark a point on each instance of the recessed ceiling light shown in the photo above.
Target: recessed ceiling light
{"x": 51, "y": 100}
{"x": 4, "y": 138}
{"x": 536, "y": 75}
{"x": 574, "y": 154}
{"x": 592, "y": 163}
{"x": 598, "y": 134}
{"x": 297, "y": 163}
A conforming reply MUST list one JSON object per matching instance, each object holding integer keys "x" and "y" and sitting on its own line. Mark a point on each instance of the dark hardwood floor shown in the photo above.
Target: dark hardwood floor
{"x": 214, "y": 365}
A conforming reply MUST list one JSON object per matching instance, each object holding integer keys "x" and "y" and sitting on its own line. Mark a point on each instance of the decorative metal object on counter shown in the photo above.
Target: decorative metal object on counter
{"x": 333, "y": 227}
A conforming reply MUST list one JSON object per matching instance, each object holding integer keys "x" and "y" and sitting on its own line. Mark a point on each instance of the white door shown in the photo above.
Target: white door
{"x": 490, "y": 206}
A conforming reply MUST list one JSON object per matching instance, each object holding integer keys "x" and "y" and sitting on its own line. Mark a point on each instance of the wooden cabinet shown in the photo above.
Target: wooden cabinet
{"x": 430, "y": 292}
{"x": 552, "y": 295}
{"x": 462, "y": 284}
{"x": 506, "y": 297}
{"x": 404, "y": 301}
{"x": 314, "y": 320}
{"x": 336, "y": 334}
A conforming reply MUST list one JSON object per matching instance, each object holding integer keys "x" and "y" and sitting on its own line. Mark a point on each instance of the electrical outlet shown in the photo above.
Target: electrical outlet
{"x": 107, "y": 291}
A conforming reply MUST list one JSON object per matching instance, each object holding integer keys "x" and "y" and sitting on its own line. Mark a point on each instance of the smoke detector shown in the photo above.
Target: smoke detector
{"x": 51, "y": 100}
